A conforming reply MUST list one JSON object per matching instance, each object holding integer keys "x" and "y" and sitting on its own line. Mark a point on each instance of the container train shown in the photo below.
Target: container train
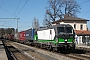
{"x": 52, "y": 38}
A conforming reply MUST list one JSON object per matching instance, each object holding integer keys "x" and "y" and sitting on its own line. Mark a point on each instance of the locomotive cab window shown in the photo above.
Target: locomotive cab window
{"x": 68, "y": 29}
{"x": 60, "y": 30}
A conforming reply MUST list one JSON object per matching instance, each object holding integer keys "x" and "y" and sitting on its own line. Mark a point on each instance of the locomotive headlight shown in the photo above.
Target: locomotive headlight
{"x": 56, "y": 39}
{"x": 35, "y": 38}
{"x": 65, "y": 39}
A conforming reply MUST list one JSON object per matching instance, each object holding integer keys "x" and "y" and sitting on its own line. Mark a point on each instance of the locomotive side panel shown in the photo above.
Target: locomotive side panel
{"x": 48, "y": 34}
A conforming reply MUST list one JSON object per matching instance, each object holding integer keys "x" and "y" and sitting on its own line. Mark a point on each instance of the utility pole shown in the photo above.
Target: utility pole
{"x": 17, "y": 25}
{"x": 13, "y": 18}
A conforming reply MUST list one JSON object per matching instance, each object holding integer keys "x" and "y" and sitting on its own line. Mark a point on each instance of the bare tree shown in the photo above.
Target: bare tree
{"x": 71, "y": 7}
{"x": 52, "y": 9}
{"x": 35, "y": 23}
{"x": 2, "y": 32}
{"x": 59, "y": 8}
{"x": 46, "y": 21}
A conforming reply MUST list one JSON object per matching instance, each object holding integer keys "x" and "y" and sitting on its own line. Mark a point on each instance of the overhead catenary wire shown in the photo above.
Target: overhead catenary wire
{"x": 20, "y": 9}
{"x": 17, "y": 7}
{"x": 85, "y": 1}
{"x": 4, "y": 10}
{"x": 7, "y": 11}
{"x": 23, "y": 25}
{"x": 2, "y": 3}
{"x": 10, "y": 19}
{"x": 16, "y": 11}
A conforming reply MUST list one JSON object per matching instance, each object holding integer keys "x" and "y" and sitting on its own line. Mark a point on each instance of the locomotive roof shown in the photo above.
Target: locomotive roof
{"x": 43, "y": 28}
{"x": 57, "y": 25}
{"x": 62, "y": 25}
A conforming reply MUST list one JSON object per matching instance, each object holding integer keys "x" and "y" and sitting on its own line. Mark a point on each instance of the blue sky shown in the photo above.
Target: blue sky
{"x": 26, "y": 10}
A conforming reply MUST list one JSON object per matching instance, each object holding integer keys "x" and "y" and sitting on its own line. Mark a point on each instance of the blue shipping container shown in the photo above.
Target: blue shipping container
{"x": 29, "y": 34}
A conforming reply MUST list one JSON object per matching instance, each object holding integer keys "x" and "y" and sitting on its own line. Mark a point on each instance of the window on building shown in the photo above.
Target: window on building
{"x": 74, "y": 26}
{"x": 81, "y": 27}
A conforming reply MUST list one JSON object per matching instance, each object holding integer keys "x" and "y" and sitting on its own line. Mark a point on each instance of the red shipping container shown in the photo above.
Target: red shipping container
{"x": 22, "y": 35}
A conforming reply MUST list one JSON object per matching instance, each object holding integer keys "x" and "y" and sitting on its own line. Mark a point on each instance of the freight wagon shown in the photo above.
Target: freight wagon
{"x": 21, "y": 36}
{"x": 29, "y": 36}
{"x": 8, "y": 36}
{"x": 11, "y": 37}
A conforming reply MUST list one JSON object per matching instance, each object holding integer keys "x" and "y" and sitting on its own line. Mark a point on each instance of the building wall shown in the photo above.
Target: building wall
{"x": 79, "y": 40}
{"x": 78, "y": 25}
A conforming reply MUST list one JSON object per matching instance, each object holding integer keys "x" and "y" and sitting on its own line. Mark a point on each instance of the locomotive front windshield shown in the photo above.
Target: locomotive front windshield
{"x": 68, "y": 29}
{"x": 62, "y": 30}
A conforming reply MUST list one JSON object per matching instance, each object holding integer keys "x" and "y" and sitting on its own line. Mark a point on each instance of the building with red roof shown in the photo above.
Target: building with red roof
{"x": 80, "y": 27}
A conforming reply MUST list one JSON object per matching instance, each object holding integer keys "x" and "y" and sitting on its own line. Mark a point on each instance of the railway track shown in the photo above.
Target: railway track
{"x": 79, "y": 56}
{"x": 15, "y": 53}
{"x": 76, "y": 54}
{"x": 29, "y": 52}
{"x": 35, "y": 53}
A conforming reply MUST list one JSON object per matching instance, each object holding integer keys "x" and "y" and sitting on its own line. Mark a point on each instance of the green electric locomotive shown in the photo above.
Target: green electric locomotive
{"x": 55, "y": 37}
